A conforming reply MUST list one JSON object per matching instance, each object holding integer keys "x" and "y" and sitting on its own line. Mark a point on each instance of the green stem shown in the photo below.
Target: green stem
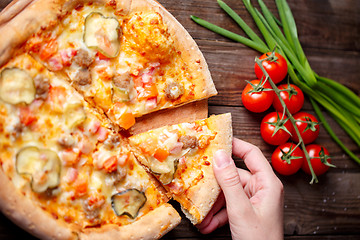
{"x": 269, "y": 40}
{"x": 347, "y": 93}
{"x": 291, "y": 118}
{"x": 228, "y": 34}
{"x": 331, "y": 132}
{"x": 252, "y": 35}
{"x": 341, "y": 101}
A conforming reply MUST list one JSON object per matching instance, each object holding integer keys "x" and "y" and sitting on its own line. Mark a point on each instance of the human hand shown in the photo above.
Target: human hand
{"x": 253, "y": 200}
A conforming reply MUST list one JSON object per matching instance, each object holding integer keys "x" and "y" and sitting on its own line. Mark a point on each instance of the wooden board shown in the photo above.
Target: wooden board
{"x": 330, "y": 34}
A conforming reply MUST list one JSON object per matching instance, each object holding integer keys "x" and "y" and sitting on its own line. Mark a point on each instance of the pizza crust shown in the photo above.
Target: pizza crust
{"x": 153, "y": 225}
{"x": 187, "y": 113}
{"x": 22, "y": 18}
{"x": 203, "y": 195}
{"x": 22, "y": 211}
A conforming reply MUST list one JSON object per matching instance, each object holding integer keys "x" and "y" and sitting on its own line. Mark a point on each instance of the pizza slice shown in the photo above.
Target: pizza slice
{"x": 128, "y": 58}
{"x": 64, "y": 173}
{"x": 181, "y": 157}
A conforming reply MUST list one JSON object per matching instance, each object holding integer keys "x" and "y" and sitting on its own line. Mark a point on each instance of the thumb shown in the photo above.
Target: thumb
{"x": 229, "y": 180}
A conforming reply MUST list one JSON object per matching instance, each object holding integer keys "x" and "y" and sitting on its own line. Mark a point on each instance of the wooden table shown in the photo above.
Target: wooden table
{"x": 329, "y": 31}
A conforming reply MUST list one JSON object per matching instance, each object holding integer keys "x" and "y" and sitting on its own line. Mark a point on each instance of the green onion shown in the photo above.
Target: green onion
{"x": 341, "y": 103}
{"x": 231, "y": 35}
{"x": 331, "y": 132}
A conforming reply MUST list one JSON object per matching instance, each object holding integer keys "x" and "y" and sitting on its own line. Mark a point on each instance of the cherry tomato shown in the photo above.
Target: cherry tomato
{"x": 287, "y": 159}
{"x": 274, "y": 122}
{"x": 294, "y": 98}
{"x": 258, "y": 100}
{"x": 276, "y": 67}
{"x": 308, "y": 127}
{"x": 319, "y": 158}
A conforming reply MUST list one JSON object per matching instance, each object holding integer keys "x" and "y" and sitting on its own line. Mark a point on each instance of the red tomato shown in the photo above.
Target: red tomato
{"x": 319, "y": 158}
{"x": 294, "y": 98}
{"x": 276, "y": 67}
{"x": 287, "y": 159}
{"x": 27, "y": 117}
{"x": 258, "y": 101}
{"x": 48, "y": 49}
{"x": 273, "y": 122}
{"x": 309, "y": 130}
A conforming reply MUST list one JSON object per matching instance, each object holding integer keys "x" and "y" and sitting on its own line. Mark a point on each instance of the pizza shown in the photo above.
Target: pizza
{"x": 180, "y": 157}
{"x": 80, "y": 157}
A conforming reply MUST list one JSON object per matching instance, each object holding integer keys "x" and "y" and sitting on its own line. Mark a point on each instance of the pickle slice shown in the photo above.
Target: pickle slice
{"x": 167, "y": 178}
{"x": 74, "y": 115}
{"x": 166, "y": 170}
{"x": 120, "y": 94}
{"x": 102, "y": 33}
{"x": 128, "y": 202}
{"x": 16, "y": 86}
{"x": 42, "y": 165}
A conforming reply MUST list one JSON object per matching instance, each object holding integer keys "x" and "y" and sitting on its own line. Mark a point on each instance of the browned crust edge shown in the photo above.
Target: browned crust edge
{"x": 151, "y": 226}
{"x": 22, "y": 211}
{"x": 203, "y": 195}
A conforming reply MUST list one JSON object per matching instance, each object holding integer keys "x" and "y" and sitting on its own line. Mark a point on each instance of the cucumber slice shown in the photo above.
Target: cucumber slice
{"x": 102, "y": 33}
{"x": 128, "y": 202}
{"x": 120, "y": 94}
{"x": 16, "y": 86}
{"x": 166, "y": 170}
{"x": 167, "y": 178}
{"x": 42, "y": 165}
{"x": 74, "y": 115}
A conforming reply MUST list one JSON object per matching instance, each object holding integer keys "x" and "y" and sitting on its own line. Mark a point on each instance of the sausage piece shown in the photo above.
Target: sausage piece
{"x": 83, "y": 77}
{"x": 42, "y": 87}
{"x": 122, "y": 80}
{"x": 83, "y": 58}
{"x": 174, "y": 90}
{"x": 188, "y": 141}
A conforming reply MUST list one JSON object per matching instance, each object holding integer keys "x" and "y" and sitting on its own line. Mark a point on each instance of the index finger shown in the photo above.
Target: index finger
{"x": 252, "y": 155}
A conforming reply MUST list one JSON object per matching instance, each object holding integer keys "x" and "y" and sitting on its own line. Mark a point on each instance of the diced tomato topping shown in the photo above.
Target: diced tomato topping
{"x": 151, "y": 103}
{"x": 70, "y": 156}
{"x": 127, "y": 120}
{"x": 148, "y": 91}
{"x": 67, "y": 55}
{"x": 26, "y": 116}
{"x": 57, "y": 95}
{"x": 80, "y": 187}
{"x": 55, "y": 63}
{"x": 94, "y": 126}
{"x": 110, "y": 164}
{"x": 123, "y": 115}
{"x": 71, "y": 175}
{"x": 145, "y": 87}
{"x": 86, "y": 146}
{"x": 102, "y": 134}
{"x": 161, "y": 154}
{"x": 102, "y": 56}
{"x": 48, "y": 49}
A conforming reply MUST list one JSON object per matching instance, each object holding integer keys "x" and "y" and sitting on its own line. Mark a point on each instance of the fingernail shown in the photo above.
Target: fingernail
{"x": 221, "y": 159}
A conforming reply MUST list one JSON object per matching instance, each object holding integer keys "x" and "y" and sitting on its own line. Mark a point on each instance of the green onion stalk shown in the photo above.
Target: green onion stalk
{"x": 341, "y": 103}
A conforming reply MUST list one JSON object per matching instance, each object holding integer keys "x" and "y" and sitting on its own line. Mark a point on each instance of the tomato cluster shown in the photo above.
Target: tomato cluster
{"x": 276, "y": 128}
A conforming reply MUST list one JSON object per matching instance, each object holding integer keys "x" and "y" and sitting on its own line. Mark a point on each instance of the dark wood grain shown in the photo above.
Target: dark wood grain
{"x": 329, "y": 31}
